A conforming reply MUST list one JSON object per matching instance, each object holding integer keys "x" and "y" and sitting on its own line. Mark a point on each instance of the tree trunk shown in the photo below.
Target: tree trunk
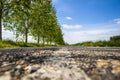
{"x": 26, "y": 31}
{"x": 47, "y": 42}
{"x": 0, "y": 24}
{"x": 26, "y": 35}
{"x": 50, "y": 42}
{"x": 38, "y": 39}
{"x": 43, "y": 40}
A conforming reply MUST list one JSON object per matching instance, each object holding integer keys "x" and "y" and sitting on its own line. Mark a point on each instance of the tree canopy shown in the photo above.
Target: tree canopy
{"x": 32, "y": 17}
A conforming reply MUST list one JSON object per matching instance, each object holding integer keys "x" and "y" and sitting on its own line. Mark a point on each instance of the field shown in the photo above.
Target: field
{"x": 60, "y": 63}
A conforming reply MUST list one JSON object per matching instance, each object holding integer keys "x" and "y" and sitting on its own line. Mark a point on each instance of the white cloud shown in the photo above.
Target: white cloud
{"x": 98, "y": 32}
{"x": 66, "y": 26}
{"x": 88, "y": 35}
{"x": 30, "y": 39}
{"x": 117, "y": 20}
{"x": 8, "y": 35}
{"x": 54, "y": 1}
{"x": 69, "y": 18}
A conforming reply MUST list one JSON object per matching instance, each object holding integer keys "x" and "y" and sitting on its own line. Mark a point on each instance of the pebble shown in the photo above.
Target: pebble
{"x": 30, "y": 69}
{"x": 20, "y": 62}
{"x": 6, "y": 64}
{"x": 5, "y": 76}
{"x": 102, "y": 63}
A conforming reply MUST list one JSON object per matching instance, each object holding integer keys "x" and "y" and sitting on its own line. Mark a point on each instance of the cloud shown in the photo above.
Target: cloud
{"x": 117, "y": 20}
{"x": 8, "y": 35}
{"x": 30, "y": 39}
{"x": 66, "y": 26}
{"x": 98, "y": 32}
{"x": 69, "y": 18}
{"x": 89, "y": 32}
{"x": 72, "y": 37}
{"x": 54, "y": 1}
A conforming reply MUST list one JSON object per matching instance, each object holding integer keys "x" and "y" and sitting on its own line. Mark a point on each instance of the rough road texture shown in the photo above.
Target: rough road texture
{"x": 60, "y": 63}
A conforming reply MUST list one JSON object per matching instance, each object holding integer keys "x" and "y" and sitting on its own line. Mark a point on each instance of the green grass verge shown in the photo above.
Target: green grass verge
{"x": 99, "y": 44}
{"x": 12, "y": 44}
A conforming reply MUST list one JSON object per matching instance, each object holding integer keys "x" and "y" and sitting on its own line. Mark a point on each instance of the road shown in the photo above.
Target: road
{"x": 60, "y": 63}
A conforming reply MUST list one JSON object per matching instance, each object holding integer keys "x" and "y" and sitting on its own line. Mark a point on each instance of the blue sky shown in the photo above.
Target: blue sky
{"x": 85, "y": 20}
{"x": 88, "y": 20}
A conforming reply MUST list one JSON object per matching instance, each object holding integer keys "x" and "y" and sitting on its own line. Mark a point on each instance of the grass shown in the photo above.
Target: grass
{"x": 12, "y": 44}
{"x": 99, "y": 44}
{"x": 114, "y": 41}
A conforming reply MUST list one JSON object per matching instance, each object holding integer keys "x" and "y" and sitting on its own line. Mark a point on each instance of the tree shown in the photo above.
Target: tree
{"x": 5, "y": 5}
{"x": 19, "y": 19}
{"x": 38, "y": 16}
{"x": 45, "y": 25}
{"x": 35, "y": 17}
{"x": 1, "y": 7}
{"x": 115, "y": 38}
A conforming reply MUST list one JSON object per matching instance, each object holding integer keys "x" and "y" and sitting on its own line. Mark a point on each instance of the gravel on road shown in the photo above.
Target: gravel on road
{"x": 60, "y": 63}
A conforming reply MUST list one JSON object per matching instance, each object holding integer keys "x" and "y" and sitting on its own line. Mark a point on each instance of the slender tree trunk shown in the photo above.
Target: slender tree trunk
{"x": 26, "y": 31}
{"x": 26, "y": 35}
{"x": 43, "y": 40}
{"x": 50, "y": 42}
{"x": 0, "y": 24}
{"x": 47, "y": 42}
{"x": 38, "y": 39}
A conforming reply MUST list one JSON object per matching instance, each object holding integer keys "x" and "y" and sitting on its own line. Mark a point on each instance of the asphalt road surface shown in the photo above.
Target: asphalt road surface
{"x": 60, "y": 63}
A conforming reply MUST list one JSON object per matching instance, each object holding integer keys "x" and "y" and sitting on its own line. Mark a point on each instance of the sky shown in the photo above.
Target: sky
{"x": 86, "y": 20}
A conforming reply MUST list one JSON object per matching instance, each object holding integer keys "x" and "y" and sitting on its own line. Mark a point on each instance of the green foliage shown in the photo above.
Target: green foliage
{"x": 46, "y": 27}
{"x": 32, "y": 17}
{"x": 115, "y": 38}
{"x": 88, "y": 43}
{"x": 113, "y": 42}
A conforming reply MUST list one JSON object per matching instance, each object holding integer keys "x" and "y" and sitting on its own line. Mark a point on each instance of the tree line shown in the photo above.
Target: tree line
{"x": 36, "y": 18}
{"x": 114, "y": 41}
